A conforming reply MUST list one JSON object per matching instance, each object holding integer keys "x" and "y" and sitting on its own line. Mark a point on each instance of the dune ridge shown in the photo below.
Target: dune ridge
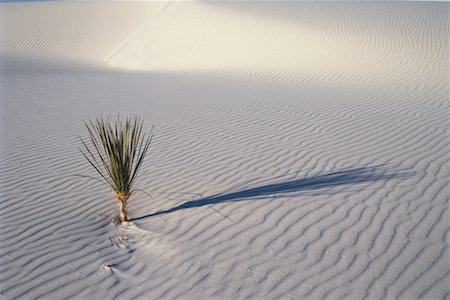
{"x": 270, "y": 177}
{"x": 65, "y": 30}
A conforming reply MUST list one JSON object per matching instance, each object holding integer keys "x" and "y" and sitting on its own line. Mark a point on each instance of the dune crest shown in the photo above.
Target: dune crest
{"x": 69, "y": 31}
{"x": 342, "y": 41}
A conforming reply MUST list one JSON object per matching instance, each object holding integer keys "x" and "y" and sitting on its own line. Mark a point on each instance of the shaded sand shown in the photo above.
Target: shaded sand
{"x": 301, "y": 150}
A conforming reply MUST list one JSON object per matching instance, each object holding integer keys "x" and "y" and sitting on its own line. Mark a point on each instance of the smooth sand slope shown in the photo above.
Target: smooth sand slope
{"x": 301, "y": 150}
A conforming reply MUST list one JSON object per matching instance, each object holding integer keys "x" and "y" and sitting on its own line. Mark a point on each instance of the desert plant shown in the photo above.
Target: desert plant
{"x": 116, "y": 150}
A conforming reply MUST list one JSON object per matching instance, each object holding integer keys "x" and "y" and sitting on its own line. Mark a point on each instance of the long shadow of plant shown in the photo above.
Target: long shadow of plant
{"x": 318, "y": 184}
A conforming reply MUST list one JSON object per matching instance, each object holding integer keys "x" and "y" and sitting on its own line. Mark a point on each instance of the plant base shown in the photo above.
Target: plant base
{"x": 122, "y": 203}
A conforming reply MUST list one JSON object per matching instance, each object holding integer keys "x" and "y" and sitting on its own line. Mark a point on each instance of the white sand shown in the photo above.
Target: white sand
{"x": 301, "y": 150}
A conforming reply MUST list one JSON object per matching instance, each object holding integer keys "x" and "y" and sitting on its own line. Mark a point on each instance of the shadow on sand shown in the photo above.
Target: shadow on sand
{"x": 318, "y": 184}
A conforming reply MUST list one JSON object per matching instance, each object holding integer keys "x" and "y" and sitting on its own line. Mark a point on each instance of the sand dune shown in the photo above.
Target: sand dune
{"x": 69, "y": 30}
{"x": 301, "y": 150}
{"x": 343, "y": 41}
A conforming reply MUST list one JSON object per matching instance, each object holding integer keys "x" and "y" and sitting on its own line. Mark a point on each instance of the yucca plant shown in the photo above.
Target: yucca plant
{"x": 116, "y": 150}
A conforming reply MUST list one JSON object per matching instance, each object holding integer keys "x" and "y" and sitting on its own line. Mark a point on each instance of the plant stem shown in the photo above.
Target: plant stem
{"x": 122, "y": 203}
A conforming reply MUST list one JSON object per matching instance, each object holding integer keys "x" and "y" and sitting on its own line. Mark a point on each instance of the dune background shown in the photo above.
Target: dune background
{"x": 301, "y": 150}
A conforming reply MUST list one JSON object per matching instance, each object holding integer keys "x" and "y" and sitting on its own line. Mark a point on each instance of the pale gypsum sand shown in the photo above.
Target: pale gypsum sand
{"x": 301, "y": 150}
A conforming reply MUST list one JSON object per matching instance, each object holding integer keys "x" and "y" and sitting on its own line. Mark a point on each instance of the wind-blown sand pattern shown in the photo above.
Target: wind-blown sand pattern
{"x": 301, "y": 150}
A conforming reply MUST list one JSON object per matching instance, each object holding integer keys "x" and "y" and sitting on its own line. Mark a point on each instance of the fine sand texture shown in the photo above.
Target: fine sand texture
{"x": 301, "y": 150}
